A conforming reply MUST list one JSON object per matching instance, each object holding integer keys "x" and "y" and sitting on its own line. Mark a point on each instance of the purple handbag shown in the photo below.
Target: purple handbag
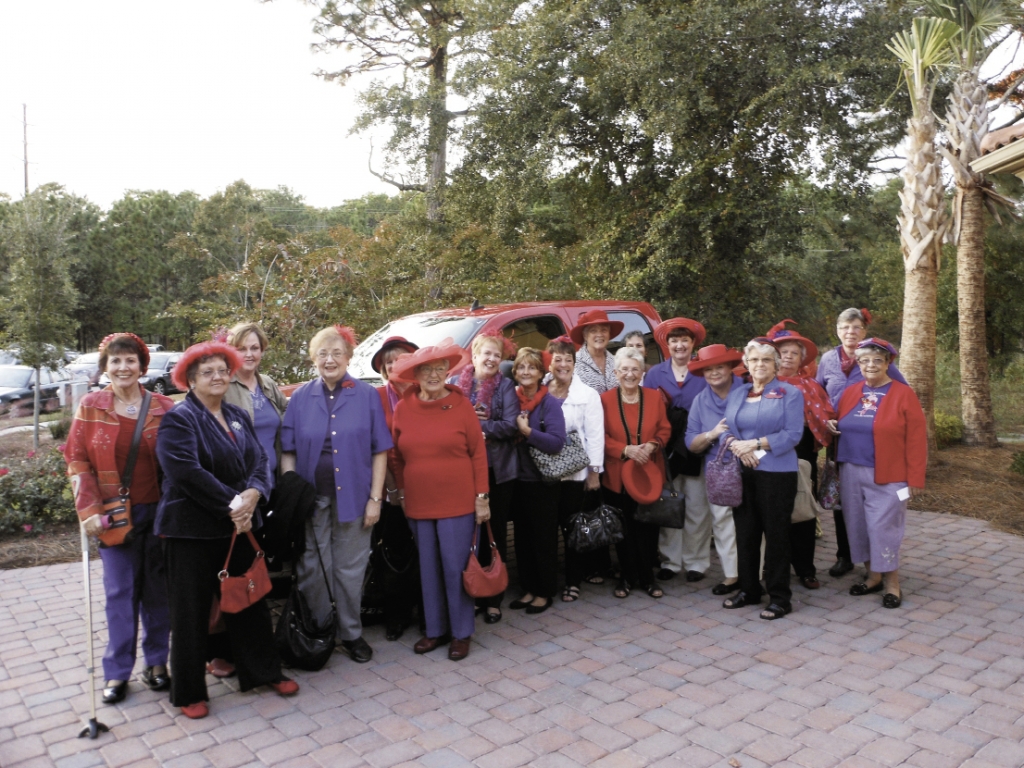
{"x": 724, "y": 478}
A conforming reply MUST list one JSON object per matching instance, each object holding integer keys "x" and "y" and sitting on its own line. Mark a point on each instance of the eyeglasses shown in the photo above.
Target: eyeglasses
{"x": 876, "y": 361}
{"x": 217, "y": 373}
{"x": 334, "y": 354}
{"x": 432, "y": 368}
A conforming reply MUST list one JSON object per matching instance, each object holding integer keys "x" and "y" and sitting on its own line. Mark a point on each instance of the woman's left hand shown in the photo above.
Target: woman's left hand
{"x": 483, "y": 510}
{"x": 371, "y": 513}
{"x": 915, "y": 491}
{"x": 242, "y": 516}
{"x": 593, "y": 481}
{"x": 523, "y": 422}
{"x": 743, "y": 448}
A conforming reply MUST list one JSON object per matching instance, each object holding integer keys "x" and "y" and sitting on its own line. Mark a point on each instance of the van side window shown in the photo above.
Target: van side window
{"x": 534, "y": 332}
{"x": 634, "y": 321}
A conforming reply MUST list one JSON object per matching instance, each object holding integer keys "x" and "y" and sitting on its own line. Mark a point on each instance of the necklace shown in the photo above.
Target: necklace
{"x": 129, "y": 407}
{"x": 639, "y": 421}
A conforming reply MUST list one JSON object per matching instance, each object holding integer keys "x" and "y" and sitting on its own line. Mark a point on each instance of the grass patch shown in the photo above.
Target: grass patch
{"x": 1007, "y": 404}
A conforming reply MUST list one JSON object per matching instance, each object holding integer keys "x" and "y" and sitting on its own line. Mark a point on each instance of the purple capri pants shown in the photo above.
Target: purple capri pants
{"x": 875, "y": 517}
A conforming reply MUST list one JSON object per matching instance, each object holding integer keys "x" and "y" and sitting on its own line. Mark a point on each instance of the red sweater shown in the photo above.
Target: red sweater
{"x": 900, "y": 434}
{"x": 656, "y": 427}
{"x": 441, "y": 459}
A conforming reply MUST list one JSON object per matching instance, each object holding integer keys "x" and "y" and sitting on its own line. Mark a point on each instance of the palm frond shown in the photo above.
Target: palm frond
{"x": 925, "y": 47}
{"x": 978, "y": 21}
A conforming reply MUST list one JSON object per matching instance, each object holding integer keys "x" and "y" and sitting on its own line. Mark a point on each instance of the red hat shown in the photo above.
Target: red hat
{"x": 391, "y": 342}
{"x": 780, "y": 335}
{"x": 595, "y": 317}
{"x": 713, "y": 354}
{"x": 662, "y": 331}
{"x": 405, "y": 367}
{"x": 198, "y": 351}
{"x": 880, "y": 343}
{"x": 143, "y": 350}
{"x": 643, "y": 482}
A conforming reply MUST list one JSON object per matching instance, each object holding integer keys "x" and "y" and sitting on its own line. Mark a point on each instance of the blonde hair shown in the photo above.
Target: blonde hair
{"x": 327, "y": 336}
{"x": 479, "y": 341}
{"x": 238, "y": 334}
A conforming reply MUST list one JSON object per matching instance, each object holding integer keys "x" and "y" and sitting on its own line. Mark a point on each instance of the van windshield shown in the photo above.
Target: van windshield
{"x": 423, "y": 331}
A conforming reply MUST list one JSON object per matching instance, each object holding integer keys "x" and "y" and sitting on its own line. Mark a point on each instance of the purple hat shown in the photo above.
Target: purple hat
{"x": 880, "y": 344}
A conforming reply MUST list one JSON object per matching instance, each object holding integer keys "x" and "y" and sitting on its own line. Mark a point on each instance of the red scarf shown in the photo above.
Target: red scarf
{"x": 817, "y": 407}
{"x": 846, "y": 361}
{"x": 529, "y": 404}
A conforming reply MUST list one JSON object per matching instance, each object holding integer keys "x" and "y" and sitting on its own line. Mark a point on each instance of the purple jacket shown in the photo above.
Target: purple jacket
{"x": 780, "y": 418}
{"x": 500, "y": 430}
{"x": 550, "y": 439}
{"x": 830, "y": 375}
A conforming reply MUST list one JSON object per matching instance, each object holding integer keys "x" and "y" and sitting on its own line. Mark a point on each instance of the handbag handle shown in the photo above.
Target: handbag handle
{"x": 476, "y": 538}
{"x": 723, "y": 447}
{"x": 223, "y": 574}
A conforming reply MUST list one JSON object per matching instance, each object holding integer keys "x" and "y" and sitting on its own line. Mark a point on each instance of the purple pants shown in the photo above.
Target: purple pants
{"x": 444, "y": 549}
{"x": 875, "y": 517}
{"x": 136, "y": 586}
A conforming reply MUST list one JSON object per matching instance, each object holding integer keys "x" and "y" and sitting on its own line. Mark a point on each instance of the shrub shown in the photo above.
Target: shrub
{"x": 948, "y": 429}
{"x": 34, "y": 491}
{"x": 1017, "y": 465}
{"x": 59, "y": 428}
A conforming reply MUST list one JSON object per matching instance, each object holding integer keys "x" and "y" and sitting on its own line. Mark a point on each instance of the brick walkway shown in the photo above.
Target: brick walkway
{"x": 603, "y": 682}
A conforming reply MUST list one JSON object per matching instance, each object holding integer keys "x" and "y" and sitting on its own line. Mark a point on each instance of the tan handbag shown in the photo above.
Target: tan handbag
{"x": 805, "y": 507}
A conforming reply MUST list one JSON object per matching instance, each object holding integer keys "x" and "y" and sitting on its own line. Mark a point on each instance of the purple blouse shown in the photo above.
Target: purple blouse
{"x": 857, "y": 441}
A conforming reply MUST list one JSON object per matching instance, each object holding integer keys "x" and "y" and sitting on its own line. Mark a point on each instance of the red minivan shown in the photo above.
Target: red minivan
{"x": 529, "y": 324}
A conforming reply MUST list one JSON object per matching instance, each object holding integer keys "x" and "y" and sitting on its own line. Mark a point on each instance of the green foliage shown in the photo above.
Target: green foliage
{"x": 1017, "y": 464}
{"x": 34, "y": 491}
{"x": 59, "y": 428}
{"x": 948, "y": 429}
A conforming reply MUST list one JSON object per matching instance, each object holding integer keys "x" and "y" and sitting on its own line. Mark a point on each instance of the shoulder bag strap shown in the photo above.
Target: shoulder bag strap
{"x": 133, "y": 452}
{"x": 327, "y": 581}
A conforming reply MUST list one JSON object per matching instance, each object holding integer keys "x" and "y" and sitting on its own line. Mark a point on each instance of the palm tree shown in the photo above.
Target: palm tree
{"x": 981, "y": 26}
{"x": 922, "y": 217}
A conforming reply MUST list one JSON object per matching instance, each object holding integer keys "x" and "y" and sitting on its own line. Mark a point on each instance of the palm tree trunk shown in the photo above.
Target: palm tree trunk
{"x": 975, "y": 395}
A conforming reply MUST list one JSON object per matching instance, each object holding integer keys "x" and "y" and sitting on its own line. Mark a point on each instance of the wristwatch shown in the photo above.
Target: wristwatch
{"x": 484, "y": 496}
{"x": 378, "y": 499}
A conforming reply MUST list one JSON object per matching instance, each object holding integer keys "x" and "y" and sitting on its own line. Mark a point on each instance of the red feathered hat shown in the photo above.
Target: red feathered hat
{"x": 780, "y": 335}
{"x": 197, "y": 352}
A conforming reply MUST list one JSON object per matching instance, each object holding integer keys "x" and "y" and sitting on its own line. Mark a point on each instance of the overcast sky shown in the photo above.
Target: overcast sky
{"x": 175, "y": 95}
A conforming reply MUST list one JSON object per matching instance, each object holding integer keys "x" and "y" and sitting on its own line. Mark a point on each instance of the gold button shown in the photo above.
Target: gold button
{"x": 332, "y": 415}
{"x": 339, "y": 487}
{"x": 337, "y": 470}
{"x": 334, "y": 433}
{"x": 335, "y": 451}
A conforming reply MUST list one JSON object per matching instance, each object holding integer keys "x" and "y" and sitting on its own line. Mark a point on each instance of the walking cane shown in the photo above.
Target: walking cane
{"x": 95, "y": 727}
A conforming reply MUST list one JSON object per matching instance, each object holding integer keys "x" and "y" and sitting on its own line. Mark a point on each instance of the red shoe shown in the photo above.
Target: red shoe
{"x": 286, "y": 687}
{"x": 196, "y": 711}
{"x": 220, "y": 668}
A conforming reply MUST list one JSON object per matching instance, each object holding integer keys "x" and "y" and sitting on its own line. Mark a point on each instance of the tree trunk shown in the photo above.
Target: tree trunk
{"x": 975, "y": 395}
{"x": 35, "y": 410}
{"x": 917, "y": 346}
{"x": 437, "y": 133}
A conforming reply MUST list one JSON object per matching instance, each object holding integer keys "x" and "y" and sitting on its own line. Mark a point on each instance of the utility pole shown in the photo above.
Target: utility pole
{"x": 24, "y": 126}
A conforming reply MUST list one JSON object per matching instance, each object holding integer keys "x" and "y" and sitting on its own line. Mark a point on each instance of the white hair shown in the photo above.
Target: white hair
{"x": 872, "y": 348}
{"x": 756, "y": 346}
{"x": 628, "y": 353}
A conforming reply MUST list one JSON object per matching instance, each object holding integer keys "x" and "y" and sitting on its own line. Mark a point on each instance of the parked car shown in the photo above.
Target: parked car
{"x": 17, "y": 389}
{"x": 86, "y": 366}
{"x": 158, "y": 377}
{"x": 529, "y": 324}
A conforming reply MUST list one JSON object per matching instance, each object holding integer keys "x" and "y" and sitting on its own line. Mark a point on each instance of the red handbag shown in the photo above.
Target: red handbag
{"x": 239, "y": 592}
{"x": 485, "y": 582}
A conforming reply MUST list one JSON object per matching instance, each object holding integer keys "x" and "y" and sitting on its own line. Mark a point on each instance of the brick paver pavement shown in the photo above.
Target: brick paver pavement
{"x": 602, "y": 682}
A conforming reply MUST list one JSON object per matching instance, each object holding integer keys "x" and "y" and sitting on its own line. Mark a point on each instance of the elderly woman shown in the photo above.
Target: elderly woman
{"x": 496, "y": 406}
{"x": 688, "y": 548}
{"x": 336, "y": 437}
{"x": 215, "y": 473}
{"x": 636, "y": 429}
{"x": 705, "y": 424}
{"x": 581, "y": 407}
{"x": 97, "y": 451}
{"x": 836, "y": 371}
{"x": 797, "y": 353}
{"x": 766, "y": 418}
{"x": 883, "y": 453}
{"x": 542, "y": 426}
{"x": 437, "y": 435}
{"x": 594, "y": 365}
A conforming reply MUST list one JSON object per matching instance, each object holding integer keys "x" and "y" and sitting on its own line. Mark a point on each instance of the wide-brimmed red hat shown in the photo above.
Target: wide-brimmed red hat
{"x": 391, "y": 342}
{"x": 643, "y": 482}
{"x": 595, "y": 317}
{"x": 405, "y": 367}
{"x": 713, "y": 354}
{"x": 780, "y": 334}
{"x": 197, "y": 352}
{"x": 662, "y": 331}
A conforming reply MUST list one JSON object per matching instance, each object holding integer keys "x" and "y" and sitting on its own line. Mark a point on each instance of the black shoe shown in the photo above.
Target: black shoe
{"x": 518, "y": 605}
{"x": 115, "y": 693}
{"x": 694, "y": 575}
{"x": 394, "y": 632}
{"x": 359, "y": 650}
{"x": 841, "y": 568}
{"x": 494, "y": 618}
{"x": 739, "y": 600}
{"x": 156, "y": 682}
{"x": 539, "y": 608}
{"x": 666, "y": 574}
{"x": 889, "y": 600}
{"x": 861, "y": 588}
{"x": 725, "y": 589}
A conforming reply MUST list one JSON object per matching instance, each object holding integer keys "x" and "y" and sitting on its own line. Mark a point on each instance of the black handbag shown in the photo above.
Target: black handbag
{"x": 595, "y": 529}
{"x": 302, "y": 642}
{"x": 669, "y": 511}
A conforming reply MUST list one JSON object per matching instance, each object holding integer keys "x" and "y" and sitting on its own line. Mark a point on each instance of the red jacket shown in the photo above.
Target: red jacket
{"x": 656, "y": 427}
{"x": 89, "y": 452}
{"x": 441, "y": 456}
{"x": 900, "y": 434}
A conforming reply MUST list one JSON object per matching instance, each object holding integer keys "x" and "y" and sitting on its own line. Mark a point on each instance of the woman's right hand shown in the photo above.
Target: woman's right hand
{"x": 637, "y": 453}
{"x": 483, "y": 510}
{"x": 93, "y": 525}
{"x": 833, "y": 426}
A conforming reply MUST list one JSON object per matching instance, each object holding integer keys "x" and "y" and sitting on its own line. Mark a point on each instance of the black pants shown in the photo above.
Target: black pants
{"x": 638, "y": 551}
{"x": 536, "y": 537}
{"x": 192, "y": 566}
{"x": 572, "y": 499}
{"x": 766, "y": 510}
{"x": 842, "y": 540}
{"x": 501, "y": 500}
{"x": 801, "y": 535}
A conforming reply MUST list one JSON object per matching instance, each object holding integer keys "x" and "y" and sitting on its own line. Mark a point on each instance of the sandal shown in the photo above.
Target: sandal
{"x": 655, "y": 591}
{"x": 622, "y": 589}
{"x": 594, "y": 578}
{"x": 774, "y": 611}
{"x": 570, "y": 594}
{"x": 739, "y": 600}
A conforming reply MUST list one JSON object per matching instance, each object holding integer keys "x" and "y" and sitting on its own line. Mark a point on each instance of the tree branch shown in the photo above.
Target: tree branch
{"x": 992, "y": 107}
{"x": 400, "y": 185}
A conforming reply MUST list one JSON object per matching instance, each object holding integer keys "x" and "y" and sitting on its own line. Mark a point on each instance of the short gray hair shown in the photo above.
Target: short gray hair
{"x": 851, "y": 314}
{"x": 629, "y": 353}
{"x": 756, "y": 346}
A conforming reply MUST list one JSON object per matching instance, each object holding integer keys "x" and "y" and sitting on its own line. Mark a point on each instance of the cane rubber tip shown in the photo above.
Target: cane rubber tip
{"x": 93, "y": 729}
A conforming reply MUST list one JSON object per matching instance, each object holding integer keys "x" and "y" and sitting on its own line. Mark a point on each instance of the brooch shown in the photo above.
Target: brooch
{"x": 347, "y": 384}
{"x": 775, "y": 394}
{"x": 236, "y": 426}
